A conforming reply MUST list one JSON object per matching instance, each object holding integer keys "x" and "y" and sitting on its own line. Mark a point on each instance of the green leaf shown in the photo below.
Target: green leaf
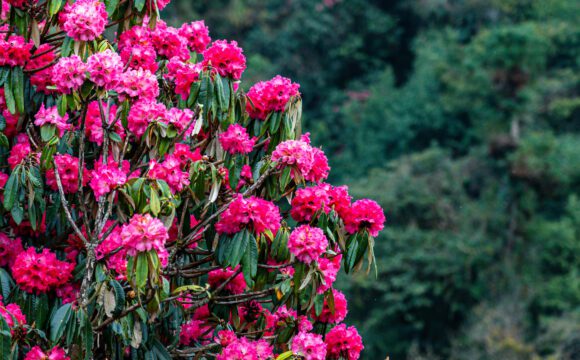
{"x": 139, "y": 5}
{"x": 154, "y": 202}
{"x": 9, "y": 95}
{"x": 47, "y": 131}
{"x": 141, "y": 270}
{"x": 54, "y": 7}
{"x": 5, "y": 339}
{"x": 11, "y": 189}
{"x": 4, "y": 140}
{"x": 351, "y": 254}
{"x": 6, "y": 283}
{"x": 61, "y": 105}
{"x": 59, "y": 321}
{"x": 250, "y": 261}
{"x": 111, "y": 5}
{"x": 18, "y": 88}
{"x": 285, "y": 355}
{"x": 119, "y": 296}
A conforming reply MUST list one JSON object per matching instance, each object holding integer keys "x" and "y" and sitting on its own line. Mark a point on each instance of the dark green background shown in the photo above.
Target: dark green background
{"x": 462, "y": 118}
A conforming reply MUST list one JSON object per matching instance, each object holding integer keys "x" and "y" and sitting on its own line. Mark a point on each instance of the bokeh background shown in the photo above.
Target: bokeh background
{"x": 462, "y": 118}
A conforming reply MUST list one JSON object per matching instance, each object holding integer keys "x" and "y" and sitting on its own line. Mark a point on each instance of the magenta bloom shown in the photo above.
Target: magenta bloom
{"x": 84, "y": 20}
{"x": 94, "y": 122}
{"x": 244, "y": 349}
{"x": 236, "y": 140}
{"x": 329, "y": 269}
{"x": 308, "y": 201}
{"x": 179, "y": 118}
{"x": 13, "y": 315}
{"x": 138, "y": 84}
{"x": 307, "y": 243}
{"x": 183, "y": 74}
{"x": 196, "y": 34}
{"x": 39, "y": 273}
{"x": 226, "y": 58}
{"x": 42, "y": 78}
{"x": 310, "y": 346}
{"x": 194, "y": 331}
{"x": 217, "y": 277}
{"x": 168, "y": 42}
{"x": 20, "y": 151}
{"x": 269, "y": 96}
{"x": 170, "y": 172}
{"x": 9, "y": 249}
{"x": 69, "y": 74}
{"x": 329, "y": 316}
{"x": 15, "y": 51}
{"x": 254, "y": 213}
{"x": 68, "y": 170}
{"x": 144, "y": 233}
{"x": 105, "y": 69}
{"x": 310, "y": 162}
{"x": 106, "y": 177}
{"x": 140, "y": 57}
{"x": 343, "y": 342}
{"x": 365, "y": 215}
{"x": 50, "y": 116}
{"x": 142, "y": 113}
{"x": 55, "y": 353}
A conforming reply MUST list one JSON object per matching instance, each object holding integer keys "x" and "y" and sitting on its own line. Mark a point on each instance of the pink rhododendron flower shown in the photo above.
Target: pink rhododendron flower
{"x": 21, "y": 151}
{"x": 196, "y": 34}
{"x": 68, "y": 293}
{"x": 55, "y": 353}
{"x": 269, "y": 96}
{"x": 254, "y": 213}
{"x": 94, "y": 122}
{"x": 311, "y": 162}
{"x": 140, "y": 57}
{"x": 307, "y": 201}
{"x": 180, "y": 119}
{"x": 113, "y": 244}
{"x": 145, "y": 233}
{"x": 135, "y": 36}
{"x": 50, "y": 116}
{"x": 169, "y": 43}
{"x": 105, "y": 69}
{"x": 106, "y": 177}
{"x": 226, "y": 58}
{"x": 236, "y": 286}
{"x": 41, "y": 78}
{"x": 343, "y": 342}
{"x": 320, "y": 169}
{"x": 14, "y": 51}
{"x": 329, "y": 269}
{"x": 307, "y": 243}
{"x": 329, "y": 316}
{"x": 9, "y": 249}
{"x": 69, "y": 74}
{"x": 40, "y": 272}
{"x": 250, "y": 311}
{"x": 183, "y": 74}
{"x": 142, "y": 113}
{"x": 226, "y": 337}
{"x": 235, "y": 140}
{"x": 84, "y": 20}
{"x": 365, "y": 215}
{"x": 184, "y": 155}
{"x": 138, "y": 84}
{"x": 244, "y": 349}
{"x": 194, "y": 331}
{"x": 68, "y": 170}
{"x": 13, "y": 315}
{"x": 170, "y": 172}
{"x": 309, "y": 346}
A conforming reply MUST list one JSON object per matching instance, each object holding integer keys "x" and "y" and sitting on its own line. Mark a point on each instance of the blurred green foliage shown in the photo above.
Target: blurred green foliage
{"x": 462, "y": 118}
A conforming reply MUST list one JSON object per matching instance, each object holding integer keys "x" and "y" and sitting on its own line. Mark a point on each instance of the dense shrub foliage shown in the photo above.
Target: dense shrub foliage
{"x": 151, "y": 208}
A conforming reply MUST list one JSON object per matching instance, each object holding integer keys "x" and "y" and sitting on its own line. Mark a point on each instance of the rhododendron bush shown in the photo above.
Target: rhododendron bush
{"x": 152, "y": 209}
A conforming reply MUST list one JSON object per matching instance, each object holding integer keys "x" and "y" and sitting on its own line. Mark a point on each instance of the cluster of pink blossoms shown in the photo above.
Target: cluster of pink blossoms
{"x": 84, "y": 20}
{"x": 197, "y": 35}
{"x": 254, "y": 213}
{"x": 94, "y": 122}
{"x": 226, "y": 58}
{"x": 244, "y": 349}
{"x": 332, "y": 316}
{"x": 329, "y": 268}
{"x": 311, "y": 200}
{"x": 143, "y": 233}
{"x": 21, "y": 151}
{"x": 55, "y": 353}
{"x": 13, "y": 315}
{"x": 105, "y": 69}
{"x": 69, "y": 74}
{"x": 309, "y": 161}
{"x": 174, "y": 169}
{"x": 343, "y": 342}
{"x": 195, "y": 331}
{"x": 68, "y": 171}
{"x": 40, "y": 272}
{"x": 108, "y": 176}
{"x": 43, "y": 58}
{"x": 217, "y": 277}
{"x": 112, "y": 245}
{"x": 183, "y": 75}
{"x": 364, "y": 214}
{"x": 235, "y": 140}
{"x": 50, "y": 116}
{"x": 309, "y": 346}
{"x": 9, "y": 249}
{"x": 307, "y": 243}
{"x": 14, "y": 51}
{"x": 269, "y": 96}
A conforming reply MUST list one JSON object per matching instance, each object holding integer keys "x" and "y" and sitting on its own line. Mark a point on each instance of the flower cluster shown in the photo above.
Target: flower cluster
{"x": 105, "y": 69}
{"x": 343, "y": 342}
{"x": 365, "y": 214}
{"x": 217, "y": 277}
{"x": 194, "y": 331}
{"x": 84, "y": 20}
{"x": 12, "y": 314}
{"x": 311, "y": 162}
{"x": 254, "y": 213}
{"x": 335, "y": 315}
{"x": 68, "y": 171}
{"x": 183, "y": 75}
{"x": 14, "y": 51}
{"x": 143, "y": 233}
{"x": 9, "y": 249}
{"x": 226, "y": 58}
{"x": 50, "y": 116}
{"x": 40, "y": 272}
{"x": 69, "y": 74}
{"x": 235, "y": 140}
{"x": 94, "y": 122}
{"x": 55, "y": 353}
{"x": 307, "y": 243}
{"x": 197, "y": 35}
{"x": 269, "y": 96}
{"x": 107, "y": 176}
{"x": 243, "y": 349}
{"x": 171, "y": 172}
{"x": 40, "y": 65}
{"x": 310, "y": 346}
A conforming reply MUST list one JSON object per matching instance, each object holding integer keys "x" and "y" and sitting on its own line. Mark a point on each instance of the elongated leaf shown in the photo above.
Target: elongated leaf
{"x": 6, "y": 283}
{"x": 119, "y": 296}
{"x": 59, "y": 321}
{"x": 11, "y": 189}
{"x": 54, "y": 7}
{"x": 139, "y": 5}
{"x": 111, "y": 5}
{"x": 154, "y": 202}
{"x": 18, "y": 88}
{"x": 141, "y": 270}
{"x": 9, "y": 94}
{"x": 5, "y": 339}
{"x": 250, "y": 261}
